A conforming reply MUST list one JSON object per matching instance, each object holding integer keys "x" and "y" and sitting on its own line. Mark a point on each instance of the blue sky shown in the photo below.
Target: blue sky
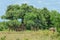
{"x": 50, "y": 4}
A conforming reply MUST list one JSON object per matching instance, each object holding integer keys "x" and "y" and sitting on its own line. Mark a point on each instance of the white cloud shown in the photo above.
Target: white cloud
{"x": 52, "y": 3}
{"x": 39, "y": 1}
{"x": 48, "y": 2}
{"x": 24, "y": 1}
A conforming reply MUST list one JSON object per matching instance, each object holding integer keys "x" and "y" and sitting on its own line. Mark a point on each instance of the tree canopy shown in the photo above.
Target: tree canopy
{"x": 31, "y": 17}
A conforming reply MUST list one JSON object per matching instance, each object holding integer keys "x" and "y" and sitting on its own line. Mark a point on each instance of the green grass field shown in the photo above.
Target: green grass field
{"x": 29, "y": 35}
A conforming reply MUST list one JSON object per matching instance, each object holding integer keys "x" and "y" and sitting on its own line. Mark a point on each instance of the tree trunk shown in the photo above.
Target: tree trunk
{"x": 23, "y": 25}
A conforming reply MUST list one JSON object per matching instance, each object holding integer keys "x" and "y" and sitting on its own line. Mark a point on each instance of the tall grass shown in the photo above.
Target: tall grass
{"x": 3, "y": 38}
{"x": 30, "y": 35}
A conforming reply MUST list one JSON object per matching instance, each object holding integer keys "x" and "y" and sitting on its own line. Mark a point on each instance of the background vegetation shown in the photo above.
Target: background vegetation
{"x": 31, "y": 18}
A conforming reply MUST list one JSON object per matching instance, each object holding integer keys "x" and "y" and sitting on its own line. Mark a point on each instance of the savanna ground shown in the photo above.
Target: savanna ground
{"x": 29, "y": 35}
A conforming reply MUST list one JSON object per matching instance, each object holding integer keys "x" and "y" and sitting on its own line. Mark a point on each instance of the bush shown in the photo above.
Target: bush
{"x": 58, "y": 29}
{"x": 3, "y": 26}
{"x": 13, "y": 24}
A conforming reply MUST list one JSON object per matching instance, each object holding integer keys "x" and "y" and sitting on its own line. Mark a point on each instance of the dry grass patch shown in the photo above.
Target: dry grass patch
{"x": 30, "y": 35}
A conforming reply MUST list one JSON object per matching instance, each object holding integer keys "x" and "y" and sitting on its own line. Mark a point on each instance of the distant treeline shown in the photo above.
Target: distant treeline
{"x": 31, "y": 18}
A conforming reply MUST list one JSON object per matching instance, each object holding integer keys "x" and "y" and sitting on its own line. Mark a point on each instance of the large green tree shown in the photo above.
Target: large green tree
{"x": 15, "y": 12}
{"x": 31, "y": 17}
